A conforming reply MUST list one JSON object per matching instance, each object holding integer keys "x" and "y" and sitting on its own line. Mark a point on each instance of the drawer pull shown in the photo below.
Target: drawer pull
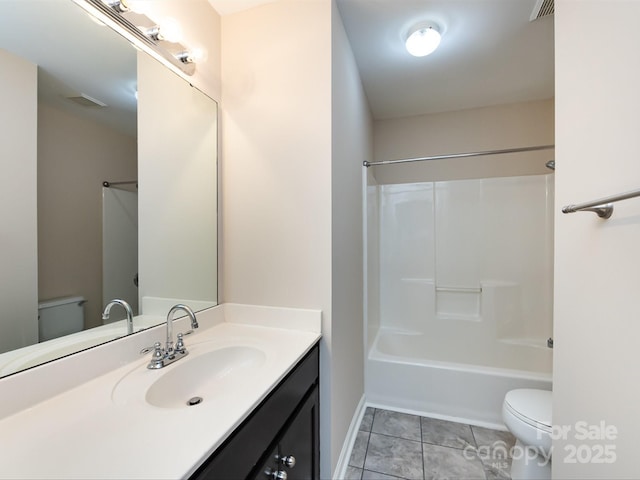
{"x": 288, "y": 461}
{"x": 276, "y": 474}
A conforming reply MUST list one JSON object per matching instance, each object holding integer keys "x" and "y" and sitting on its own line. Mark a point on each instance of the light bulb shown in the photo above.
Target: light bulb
{"x": 423, "y": 41}
{"x": 199, "y": 54}
{"x": 170, "y": 31}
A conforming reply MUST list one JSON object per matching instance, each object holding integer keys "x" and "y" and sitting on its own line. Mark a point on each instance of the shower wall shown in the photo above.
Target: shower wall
{"x": 464, "y": 269}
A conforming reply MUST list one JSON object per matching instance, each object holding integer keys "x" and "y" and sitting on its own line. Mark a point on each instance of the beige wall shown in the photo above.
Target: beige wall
{"x": 351, "y": 143}
{"x": 18, "y": 161}
{"x": 75, "y": 156}
{"x": 597, "y": 305}
{"x": 479, "y": 129}
{"x": 276, "y": 169}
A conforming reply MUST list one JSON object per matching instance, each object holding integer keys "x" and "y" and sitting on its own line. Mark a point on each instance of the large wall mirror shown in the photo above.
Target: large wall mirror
{"x": 110, "y": 161}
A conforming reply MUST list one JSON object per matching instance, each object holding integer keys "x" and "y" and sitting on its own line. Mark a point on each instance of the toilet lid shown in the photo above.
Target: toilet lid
{"x": 531, "y": 406}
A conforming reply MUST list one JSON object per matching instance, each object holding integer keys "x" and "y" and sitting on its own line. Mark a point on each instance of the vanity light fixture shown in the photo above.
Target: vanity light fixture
{"x": 170, "y": 31}
{"x": 154, "y": 33}
{"x": 423, "y": 39}
{"x": 186, "y": 57}
{"x": 120, "y": 6}
{"x": 160, "y": 40}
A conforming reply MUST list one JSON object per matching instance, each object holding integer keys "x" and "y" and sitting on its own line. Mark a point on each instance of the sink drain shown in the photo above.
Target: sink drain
{"x": 194, "y": 401}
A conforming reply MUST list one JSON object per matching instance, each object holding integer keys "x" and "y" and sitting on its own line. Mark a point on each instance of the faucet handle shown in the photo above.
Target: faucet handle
{"x": 157, "y": 351}
{"x": 157, "y": 358}
{"x": 179, "y": 347}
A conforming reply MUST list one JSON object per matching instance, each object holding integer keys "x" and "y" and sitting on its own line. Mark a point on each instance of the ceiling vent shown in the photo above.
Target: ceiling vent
{"x": 542, "y": 9}
{"x": 87, "y": 101}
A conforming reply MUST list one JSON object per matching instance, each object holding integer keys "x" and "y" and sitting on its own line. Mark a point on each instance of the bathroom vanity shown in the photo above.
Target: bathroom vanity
{"x": 281, "y": 435}
{"x": 102, "y": 414}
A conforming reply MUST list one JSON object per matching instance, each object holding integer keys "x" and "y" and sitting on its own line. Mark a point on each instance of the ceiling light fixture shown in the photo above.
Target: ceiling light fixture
{"x": 423, "y": 40}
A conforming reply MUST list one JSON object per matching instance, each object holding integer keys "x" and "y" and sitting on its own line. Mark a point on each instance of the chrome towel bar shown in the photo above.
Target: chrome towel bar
{"x": 603, "y": 207}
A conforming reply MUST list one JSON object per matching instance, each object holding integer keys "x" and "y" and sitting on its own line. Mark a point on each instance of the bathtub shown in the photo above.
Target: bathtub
{"x": 411, "y": 372}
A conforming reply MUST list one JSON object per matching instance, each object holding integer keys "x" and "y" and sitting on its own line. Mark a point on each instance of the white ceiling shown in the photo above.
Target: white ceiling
{"x": 490, "y": 54}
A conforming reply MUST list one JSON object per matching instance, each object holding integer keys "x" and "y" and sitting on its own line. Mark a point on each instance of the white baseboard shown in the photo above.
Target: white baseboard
{"x": 343, "y": 461}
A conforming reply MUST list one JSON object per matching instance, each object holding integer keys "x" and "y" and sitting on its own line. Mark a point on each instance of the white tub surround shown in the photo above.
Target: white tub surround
{"x": 460, "y": 294}
{"x": 416, "y": 381}
{"x": 68, "y": 419}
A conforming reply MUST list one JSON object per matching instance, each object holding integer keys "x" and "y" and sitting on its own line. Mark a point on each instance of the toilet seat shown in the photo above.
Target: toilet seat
{"x": 527, "y": 415}
{"x": 530, "y": 406}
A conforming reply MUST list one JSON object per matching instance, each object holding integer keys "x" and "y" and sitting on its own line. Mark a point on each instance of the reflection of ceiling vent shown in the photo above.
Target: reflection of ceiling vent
{"x": 87, "y": 101}
{"x": 542, "y": 9}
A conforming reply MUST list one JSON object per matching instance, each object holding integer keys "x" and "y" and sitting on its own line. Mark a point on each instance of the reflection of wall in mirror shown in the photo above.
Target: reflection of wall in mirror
{"x": 177, "y": 210}
{"x": 75, "y": 155}
{"x": 18, "y": 217}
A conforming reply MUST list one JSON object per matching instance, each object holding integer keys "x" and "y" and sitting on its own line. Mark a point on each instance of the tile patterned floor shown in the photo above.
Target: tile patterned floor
{"x": 392, "y": 445}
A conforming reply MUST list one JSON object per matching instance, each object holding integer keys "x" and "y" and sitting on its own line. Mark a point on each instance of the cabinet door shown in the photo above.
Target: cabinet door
{"x": 297, "y": 453}
{"x": 269, "y": 468}
{"x": 301, "y": 441}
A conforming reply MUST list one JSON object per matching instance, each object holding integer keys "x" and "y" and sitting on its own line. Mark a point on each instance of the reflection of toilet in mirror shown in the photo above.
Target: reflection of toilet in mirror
{"x": 527, "y": 415}
{"x": 59, "y": 317}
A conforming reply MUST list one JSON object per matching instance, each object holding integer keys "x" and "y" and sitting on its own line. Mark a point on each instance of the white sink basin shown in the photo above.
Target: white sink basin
{"x": 203, "y": 377}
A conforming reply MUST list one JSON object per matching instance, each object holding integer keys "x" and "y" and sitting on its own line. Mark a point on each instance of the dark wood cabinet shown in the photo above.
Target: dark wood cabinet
{"x": 284, "y": 427}
{"x": 296, "y": 452}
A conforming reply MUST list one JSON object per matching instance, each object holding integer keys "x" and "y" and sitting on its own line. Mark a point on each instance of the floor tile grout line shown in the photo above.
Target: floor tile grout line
{"x": 366, "y": 450}
{"x": 475, "y": 440}
{"x": 395, "y": 436}
{"x": 381, "y": 473}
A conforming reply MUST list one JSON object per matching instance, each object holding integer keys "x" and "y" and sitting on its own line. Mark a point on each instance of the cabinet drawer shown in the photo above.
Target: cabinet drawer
{"x": 240, "y": 453}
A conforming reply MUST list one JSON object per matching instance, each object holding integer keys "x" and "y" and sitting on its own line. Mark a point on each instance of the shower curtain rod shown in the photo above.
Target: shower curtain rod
{"x": 111, "y": 184}
{"x": 460, "y": 155}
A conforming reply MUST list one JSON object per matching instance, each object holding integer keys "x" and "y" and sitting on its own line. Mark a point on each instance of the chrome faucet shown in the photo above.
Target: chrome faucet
{"x": 164, "y": 356}
{"x": 127, "y": 308}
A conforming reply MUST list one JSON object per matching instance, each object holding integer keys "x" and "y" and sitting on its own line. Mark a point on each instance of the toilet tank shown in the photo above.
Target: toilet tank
{"x": 60, "y": 316}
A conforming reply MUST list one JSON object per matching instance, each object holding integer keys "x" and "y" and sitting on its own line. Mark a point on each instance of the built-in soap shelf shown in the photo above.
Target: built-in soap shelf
{"x": 458, "y": 303}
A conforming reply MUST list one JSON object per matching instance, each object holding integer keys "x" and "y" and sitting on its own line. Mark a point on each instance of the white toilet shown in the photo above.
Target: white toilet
{"x": 60, "y": 317}
{"x": 527, "y": 415}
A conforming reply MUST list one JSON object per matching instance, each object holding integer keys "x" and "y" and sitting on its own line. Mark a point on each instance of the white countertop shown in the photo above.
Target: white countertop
{"x": 88, "y": 432}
